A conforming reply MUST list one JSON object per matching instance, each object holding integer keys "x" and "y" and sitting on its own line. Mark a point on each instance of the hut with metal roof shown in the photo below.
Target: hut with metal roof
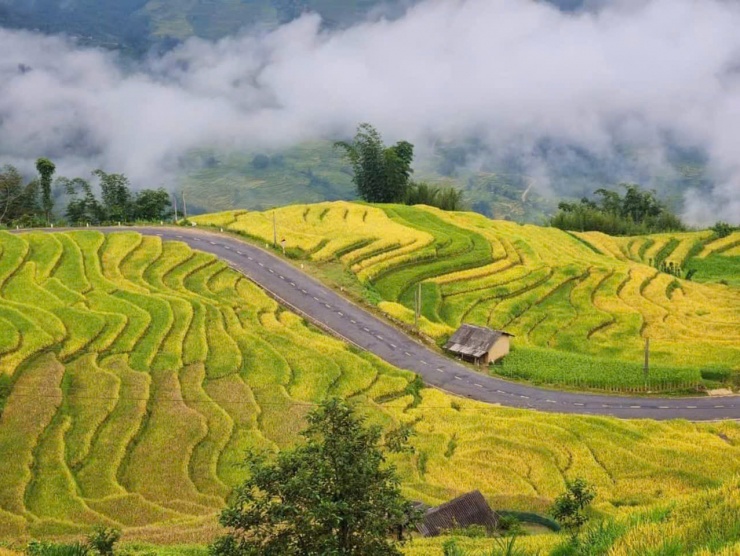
{"x": 464, "y": 511}
{"x": 479, "y": 344}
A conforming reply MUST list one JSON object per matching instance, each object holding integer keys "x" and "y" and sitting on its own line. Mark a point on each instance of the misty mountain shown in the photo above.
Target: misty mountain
{"x": 138, "y": 25}
{"x": 512, "y": 99}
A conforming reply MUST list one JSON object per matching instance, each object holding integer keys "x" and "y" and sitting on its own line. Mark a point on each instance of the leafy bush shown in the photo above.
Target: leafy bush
{"x": 722, "y": 229}
{"x": 103, "y": 539}
{"x": 569, "y": 508}
{"x": 445, "y": 198}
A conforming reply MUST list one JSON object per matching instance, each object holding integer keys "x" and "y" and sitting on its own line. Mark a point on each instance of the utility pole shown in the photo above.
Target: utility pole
{"x": 646, "y": 368}
{"x": 184, "y": 207}
{"x": 274, "y": 230}
{"x": 174, "y": 205}
{"x": 417, "y": 305}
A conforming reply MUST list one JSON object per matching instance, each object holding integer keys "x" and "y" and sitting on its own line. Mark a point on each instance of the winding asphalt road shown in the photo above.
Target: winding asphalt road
{"x": 334, "y": 313}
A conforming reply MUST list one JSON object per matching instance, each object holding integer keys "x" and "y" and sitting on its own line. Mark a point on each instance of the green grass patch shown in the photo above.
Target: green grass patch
{"x": 559, "y": 368}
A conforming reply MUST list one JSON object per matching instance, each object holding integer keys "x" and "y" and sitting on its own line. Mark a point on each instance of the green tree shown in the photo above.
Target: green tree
{"x": 151, "y": 204}
{"x": 380, "y": 173}
{"x": 333, "y": 495}
{"x": 570, "y": 507}
{"x": 722, "y": 229}
{"x": 83, "y": 206}
{"x": 11, "y": 193}
{"x": 46, "y": 169}
{"x": 115, "y": 195}
{"x": 638, "y": 212}
{"x": 103, "y": 539}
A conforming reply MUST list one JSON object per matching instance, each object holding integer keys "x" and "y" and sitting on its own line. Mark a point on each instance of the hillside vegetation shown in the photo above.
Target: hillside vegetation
{"x": 586, "y": 294}
{"x": 702, "y": 525}
{"x": 141, "y": 370}
{"x": 710, "y": 258}
{"x": 315, "y": 171}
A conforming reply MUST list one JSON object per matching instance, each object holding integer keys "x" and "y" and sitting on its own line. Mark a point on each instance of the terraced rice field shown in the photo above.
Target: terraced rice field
{"x": 587, "y": 293}
{"x": 141, "y": 371}
{"x": 712, "y": 260}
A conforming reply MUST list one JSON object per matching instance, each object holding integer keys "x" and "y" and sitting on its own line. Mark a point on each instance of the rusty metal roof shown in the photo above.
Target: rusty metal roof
{"x": 473, "y": 341}
{"x": 464, "y": 511}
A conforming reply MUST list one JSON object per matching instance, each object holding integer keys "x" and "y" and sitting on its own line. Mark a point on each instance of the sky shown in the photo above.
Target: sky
{"x": 641, "y": 73}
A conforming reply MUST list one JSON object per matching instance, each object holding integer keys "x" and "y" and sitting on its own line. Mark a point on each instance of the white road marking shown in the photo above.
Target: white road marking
{"x": 316, "y": 298}
{"x": 458, "y": 377}
{"x": 271, "y": 271}
{"x": 423, "y": 362}
{"x": 379, "y": 337}
{"x": 635, "y": 406}
{"x": 579, "y": 404}
{"x": 690, "y": 407}
{"x": 663, "y": 407}
{"x": 407, "y": 354}
{"x": 440, "y": 369}
{"x": 340, "y": 313}
{"x": 239, "y": 253}
{"x": 551, "y": 401}
{"x": 261, "y": 264}
{"x": 292, "y": 284}
{"x": 479, "y": 385}
{"x": 211, "y": 242}
{"x": 250, "y": 258}
{"x": 718, "y": 406}
{"x": 394, "y": 346}
{"x": 523, "y": 396}
{"x": 281, "y": 276}
{"x": 304, "y": 291}
{"x": 327, "y": 305}
{"x": 353, "y": 321}
{"x": 366, "y": 329}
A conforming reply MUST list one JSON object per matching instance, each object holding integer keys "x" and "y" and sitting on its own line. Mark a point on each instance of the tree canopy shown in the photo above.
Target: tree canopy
{"x": 46, "y": 169}
{"x": 382, "y": 174}
{"x": 569, "y": 509}
{"x": 636, "y": 212}
{"x": 31, "y": 204}
{"x": 333, "y": 495}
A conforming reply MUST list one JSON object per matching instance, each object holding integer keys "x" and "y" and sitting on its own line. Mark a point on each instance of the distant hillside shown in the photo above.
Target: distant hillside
{"x": 314, "y": 172}
{"x": 136, "y": 25}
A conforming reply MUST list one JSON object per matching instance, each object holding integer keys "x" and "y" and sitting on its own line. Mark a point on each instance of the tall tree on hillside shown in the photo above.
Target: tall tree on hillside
{"x": 152, "y": 204}
{"x": 46, "y": 169}
{"x": 381, "y": 173}
{"x": 84, "y": 207}
{"x": 115, "y": 195}
{"x": 334, "y": 494}
{"x": 11, "y": 193}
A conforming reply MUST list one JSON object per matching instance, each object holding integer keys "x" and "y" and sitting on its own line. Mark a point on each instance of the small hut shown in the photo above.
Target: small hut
{"x": 479, "y": 344}
{"x": 464, "y": 511}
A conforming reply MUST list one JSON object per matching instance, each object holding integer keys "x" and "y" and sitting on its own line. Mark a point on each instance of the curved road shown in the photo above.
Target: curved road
{"x": 343, "y": 318}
